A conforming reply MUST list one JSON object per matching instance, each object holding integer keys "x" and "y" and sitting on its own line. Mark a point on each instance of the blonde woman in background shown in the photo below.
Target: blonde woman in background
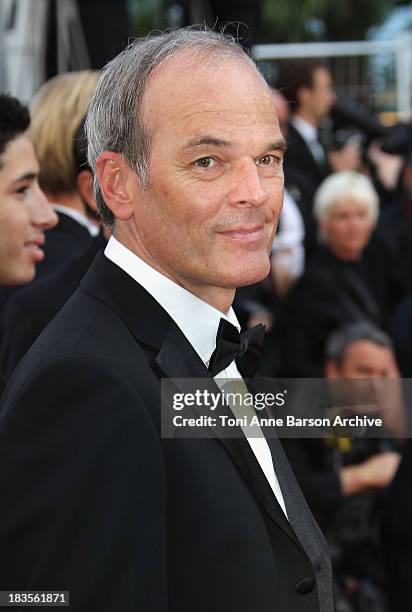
{"x": 58, "y": 110}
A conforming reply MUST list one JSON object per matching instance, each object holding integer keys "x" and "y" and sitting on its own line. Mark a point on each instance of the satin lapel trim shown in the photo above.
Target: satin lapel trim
{"x": 178, "y": 360}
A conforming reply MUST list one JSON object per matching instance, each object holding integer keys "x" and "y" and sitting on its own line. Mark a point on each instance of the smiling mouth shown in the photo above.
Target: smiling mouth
{"x": 247, "y": 234}
{"x": 35, "y": 250}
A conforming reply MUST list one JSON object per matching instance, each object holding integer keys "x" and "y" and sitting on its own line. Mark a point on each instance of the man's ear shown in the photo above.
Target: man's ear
{"x": 118, "y": 184}
{"x": 85, "y": 188}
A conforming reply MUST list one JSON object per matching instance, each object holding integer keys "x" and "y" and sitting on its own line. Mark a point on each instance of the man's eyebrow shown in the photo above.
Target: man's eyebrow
{"x": 27, "y": 176}
{"x": 199, "y": 141}
{"x": 278, "y": 145}
{"x": 206, "y": 140}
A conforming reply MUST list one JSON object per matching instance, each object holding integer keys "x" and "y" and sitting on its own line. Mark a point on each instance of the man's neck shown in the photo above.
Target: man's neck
{"x": 220, "y": 298}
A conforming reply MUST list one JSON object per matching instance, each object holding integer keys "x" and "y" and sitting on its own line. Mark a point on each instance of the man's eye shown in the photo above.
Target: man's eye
{"x": 22, "y": 190}
{"x": 204, "y": 162}
{"x": 268, "y": 160}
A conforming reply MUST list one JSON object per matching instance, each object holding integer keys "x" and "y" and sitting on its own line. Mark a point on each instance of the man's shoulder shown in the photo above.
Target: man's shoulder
{"x": 41, "y": 300}
{"x": 87, "y": 330}
{"x": 110, "y": 328}
{"x": 84, "y": 326}
{"x": 28, "y": 311}
{"x": 85, "y": 359}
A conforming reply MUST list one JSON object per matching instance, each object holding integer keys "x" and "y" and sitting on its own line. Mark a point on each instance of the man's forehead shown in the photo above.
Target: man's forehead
{"x": 321, "y": 74}
{"x": 185, "y": 88}
{"x": 18, "y": 159}
{"x": 366, "y": 347}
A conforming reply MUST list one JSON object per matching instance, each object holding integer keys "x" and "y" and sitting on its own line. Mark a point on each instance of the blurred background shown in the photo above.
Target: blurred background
{"x": 367, "y": 43}
{"x": 338, "y": 301}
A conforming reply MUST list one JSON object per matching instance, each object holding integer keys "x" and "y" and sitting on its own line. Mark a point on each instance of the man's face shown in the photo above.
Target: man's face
{"x": 366, "y": 359}
{"x": 321, "y": 96}
{"x": 216, "y": 180}
{"x": 24, "y": 213}
{"x": 363, "y": 361}
{"x": 348, "y": 228}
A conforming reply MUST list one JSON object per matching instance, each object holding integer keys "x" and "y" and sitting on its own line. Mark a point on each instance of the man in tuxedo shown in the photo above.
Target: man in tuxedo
{"x": 308, "y": 87}
{"x": 57, "y": 112}
{"x": 28, "y": 312}
{"x": 25, "y": 214}
{"x": 188, "y": 159}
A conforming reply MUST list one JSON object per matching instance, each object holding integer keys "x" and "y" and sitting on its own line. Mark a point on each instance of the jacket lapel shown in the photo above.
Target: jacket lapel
{"x": 178, "y": 360}
{"x": 151, "y": 324}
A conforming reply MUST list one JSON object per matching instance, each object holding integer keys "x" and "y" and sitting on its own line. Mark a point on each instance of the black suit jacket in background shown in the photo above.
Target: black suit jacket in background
{"x": 331, "y": 293}
{"x": 397, "y": 534}
{"x": 64, "y": 241}
{"x": 401, "y": 333}
{"x": 302, "y": 171}
{"x": 29, "y": 311}
{"x": 94, "y": 500}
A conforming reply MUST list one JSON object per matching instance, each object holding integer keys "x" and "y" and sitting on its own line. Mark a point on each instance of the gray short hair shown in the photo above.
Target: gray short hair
{"x": 340, "y": 340}
{"x": 346, "y": 185}
{"x": 114, "y": 119}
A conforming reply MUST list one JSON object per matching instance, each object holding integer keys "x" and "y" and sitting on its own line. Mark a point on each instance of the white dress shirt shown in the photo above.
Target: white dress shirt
{"x": 199, "y": 322}
{"x": 288, "y": 243}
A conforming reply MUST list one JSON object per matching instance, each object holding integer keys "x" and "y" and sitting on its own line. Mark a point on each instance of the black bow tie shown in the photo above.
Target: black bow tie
{"x": 245, "y": 348}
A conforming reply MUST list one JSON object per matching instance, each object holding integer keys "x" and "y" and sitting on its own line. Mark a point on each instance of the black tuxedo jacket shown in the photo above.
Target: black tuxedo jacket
{"x": 302, "y": 171}
{"x": 94, "y": 500}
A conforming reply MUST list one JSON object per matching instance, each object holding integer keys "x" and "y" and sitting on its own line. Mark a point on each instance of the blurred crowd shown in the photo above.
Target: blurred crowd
{"x": 337, "y": 303}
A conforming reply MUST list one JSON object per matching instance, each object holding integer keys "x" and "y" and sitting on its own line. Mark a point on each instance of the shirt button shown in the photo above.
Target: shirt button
{"x": 305, "y": 585}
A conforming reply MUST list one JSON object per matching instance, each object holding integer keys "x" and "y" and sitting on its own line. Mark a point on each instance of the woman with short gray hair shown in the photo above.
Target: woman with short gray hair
{"x": 346, "y": 209}
{"x": 350, "y": 278}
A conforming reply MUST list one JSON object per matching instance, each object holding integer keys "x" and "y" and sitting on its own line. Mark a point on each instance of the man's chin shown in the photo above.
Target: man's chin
{"x": 16, "y": 278}
{"x": 247, "y": 275}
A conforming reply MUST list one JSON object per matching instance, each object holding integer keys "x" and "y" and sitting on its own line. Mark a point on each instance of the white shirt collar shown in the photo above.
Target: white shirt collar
{"x": 198, "y": 320}
{"x": 79, "y": 217}
{"x": 305, "y": 129}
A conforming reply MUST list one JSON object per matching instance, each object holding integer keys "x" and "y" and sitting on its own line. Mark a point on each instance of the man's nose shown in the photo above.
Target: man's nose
{"x": 247, "y": 185}
{"x": 43, "y": 216}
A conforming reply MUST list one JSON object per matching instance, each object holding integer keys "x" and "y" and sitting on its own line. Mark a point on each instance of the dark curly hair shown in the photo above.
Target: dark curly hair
{"x": 14, "y": 120}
